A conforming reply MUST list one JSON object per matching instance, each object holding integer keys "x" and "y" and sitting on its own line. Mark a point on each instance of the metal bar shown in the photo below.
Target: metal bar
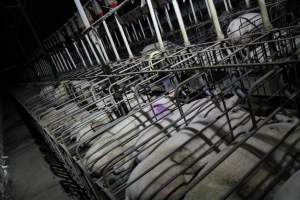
{"x": 117, "y": 38}
{"x": 142, "y": 29}
{"x": 150, "y": 26}
{"x": 134, "y": 31}
{"x": 86, "y": 52}
{"x": 124, "y": 37}
{"x": 70, "y": 57}
{"x": 180, "y": 22}
{"x": 127, "y": 32}
{"x": 193, "y": 11}
{"x": 79, "y": 54}
{"x": 168, "y": 18}
{"x": 155, "y": 24}
{"x": 92, "y": 48}
{"x": 215, "y": 19}
{"x": 226, "y": 6}
{"x": 111, "y": 40}
{"x": 264, "y": 14}
{"x": 248, "y": 3}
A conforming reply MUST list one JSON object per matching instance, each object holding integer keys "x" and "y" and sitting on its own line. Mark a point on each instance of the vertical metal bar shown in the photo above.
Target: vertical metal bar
{"x": 124, "y": 37}
{"x": 168, "y": 19}
{"x": 99, "y": 46}
{"x": 92, "y": 48}
{"x": 230, "y": 4}
{"x": 117, "y": 38}
{"x": 79, "y": 54}
{"x": 63, "y": 61}
{"x": 158, "y": 21}
{"x": 82, "y": 13}
{"x": 264, "y": 14}
{"x": 248, "y": 4}
{"x": 226, "y": 6}
{"x": 86, "y": 52}
{"x": 206, "y": 3}
{"x": 128, "y": 35}
{"x": 180, "y": 22}
{"x": 215, "y": 19}
{"x": 112, "y": 43}
{"x": 150, "y": 26}
{"x": 142, "y": 29}
{"x": 193, "y": 11}
{"x": 70, "y": 57}
{"x": 69, "y": 65}
{"x": 96, "y": 40}
{"x": 156, "y": 28}
{"x": 134, "y": 31}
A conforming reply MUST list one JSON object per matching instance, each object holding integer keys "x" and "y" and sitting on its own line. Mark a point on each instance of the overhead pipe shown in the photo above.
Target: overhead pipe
{"x": 193, "y": 11}
{"x": 124, "y": 37}
{"x": 264, "y": 14}
{"x": 214, "y": 16}
{"x": 155, "y": 24}
{"x": 112, "y": 43}
{"x": 180, "y": 22}
{"x": 168, "y": 18}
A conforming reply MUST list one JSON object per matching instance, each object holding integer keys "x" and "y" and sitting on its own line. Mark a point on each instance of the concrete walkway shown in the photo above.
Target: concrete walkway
{"x": 31, "y": 178}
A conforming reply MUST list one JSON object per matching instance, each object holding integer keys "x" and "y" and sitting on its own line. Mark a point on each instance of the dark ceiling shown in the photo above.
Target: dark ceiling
{"x": 17, "y": 41}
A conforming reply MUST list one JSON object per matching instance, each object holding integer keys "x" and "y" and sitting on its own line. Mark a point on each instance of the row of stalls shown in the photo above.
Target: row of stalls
{"x": 171, "y": 99}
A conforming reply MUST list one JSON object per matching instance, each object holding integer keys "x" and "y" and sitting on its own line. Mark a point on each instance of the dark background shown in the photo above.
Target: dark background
{"x": 16, "y": 40}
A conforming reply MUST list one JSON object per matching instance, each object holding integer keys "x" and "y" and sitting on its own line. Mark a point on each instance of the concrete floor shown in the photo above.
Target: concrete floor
{"x": 31, "y": 178}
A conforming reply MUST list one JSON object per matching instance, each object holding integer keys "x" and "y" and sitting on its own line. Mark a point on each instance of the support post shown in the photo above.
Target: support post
{"x": 215, "y": 19}
{"x": 155, "y": 24}
{"x": 180, "y": 22}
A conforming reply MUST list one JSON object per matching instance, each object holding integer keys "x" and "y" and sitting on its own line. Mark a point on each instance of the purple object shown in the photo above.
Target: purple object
{"x": 160, "y": 110}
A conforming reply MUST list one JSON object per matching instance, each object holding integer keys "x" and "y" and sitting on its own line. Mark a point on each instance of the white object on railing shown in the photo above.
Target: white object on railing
{"x": 112, "y": 43}
{"x": 180, "y": 22}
